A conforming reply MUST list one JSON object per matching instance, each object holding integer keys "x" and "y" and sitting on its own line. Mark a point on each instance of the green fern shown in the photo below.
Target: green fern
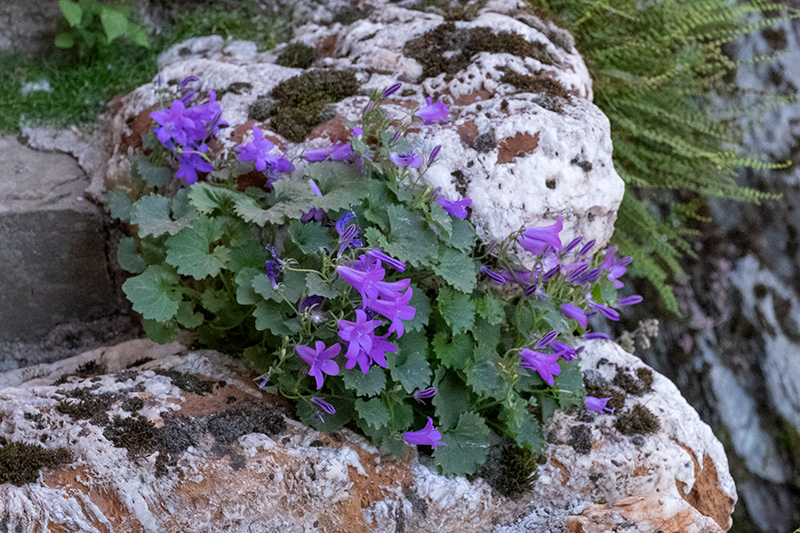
{"x": 656, "y": 67}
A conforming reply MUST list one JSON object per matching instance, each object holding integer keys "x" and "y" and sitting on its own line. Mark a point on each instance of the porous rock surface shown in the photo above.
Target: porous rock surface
{"x": 523, "y": 141}
{"x": 186, "y": 442}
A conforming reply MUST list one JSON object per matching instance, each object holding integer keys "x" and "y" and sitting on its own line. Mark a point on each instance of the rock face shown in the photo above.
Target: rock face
{"x": 187, "y": 442}
{"x": 524, "y": 141}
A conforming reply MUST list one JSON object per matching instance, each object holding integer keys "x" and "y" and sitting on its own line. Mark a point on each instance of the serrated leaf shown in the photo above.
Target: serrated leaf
{"x": 154, "y": 293}
{"x": 152, "y": 175}
{"x": 464, "y": 236}
{"x": 190, "y": 250}
{"x": 245, "y": 295}
{"x": 373, "y": 412}
{"x": 310, "y": 236}
{"x": 72, "y": 12}
{"x": 422, "y": 304}
{"x": 467, "y": 446}
{"x": 409, "y": 239}
{"x": 128, "y": 257}
{"x": 319, "y": 287}
{"x": 552, "y": 315}
{"x": 491, "y": 309}
{"x": 119, "y": 204}
{"x": 270, "y": 316}
{"x": 186, "y": 316}
{"x": 442, "y": 219}
{"x": 250, "y": 254}
{"x": 214, "y": 300}
{"x": 456, "y": 268}
{"x": 486, "y": 334}
{"x": 114, "y": 22}
{"x": 161, "y": 333}
{"x": 369, "y": 384}
{"x": 457, "y": 309}
{"x": 570, "y": 385}
{"x": 378, "y": 195}
{"x": 483, "y": 371}
{"x": 523, "y": 425}
{"x": 151, "y": 214}
{"x": 208, "y": 198}
{"x": 451, "y": 400}
{"x": 409, "y": 365}
{"x": 454, "y": 352}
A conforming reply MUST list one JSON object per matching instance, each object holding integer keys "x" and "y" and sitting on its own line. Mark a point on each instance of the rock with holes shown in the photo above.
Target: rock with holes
{"x": 138, "y": 438}
{"x": 523, "y": 140}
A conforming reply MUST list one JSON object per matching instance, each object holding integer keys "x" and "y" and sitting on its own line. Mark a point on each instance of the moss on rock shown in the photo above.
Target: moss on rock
{"x": 20, "y": 463}
{"x": 638, "y": 421}
{"x": 297, "y": 55}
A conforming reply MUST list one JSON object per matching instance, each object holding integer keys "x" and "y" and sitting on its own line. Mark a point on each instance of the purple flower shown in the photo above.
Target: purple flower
{"x": 395, "y": 310}
{"x": 546, "y": 364}
{"x": 597, "y": 404}
{"x": 192, "y": 163}
{"x": 434, "y": 154}
{"x": 432, "y": 112}
{"x": 320, "y": 359}
{"x": 630, "y": 300}
{"x": 313, "y": 213}
{"x": 409, "y": 159}
{"x": 263, "y": 383}
{"x": 535, "y": 240}
{"x": 348, "y": 233}
{"x": 607, "y": 312}
{"x": 457, "y": 208}
{"x": 364, "y": 281}
{"x": 572, "y": 244}
{"x": 596, "y": 335}
{"x": 586, "y": 247}
{"x": 389, "y": 91}
{"x": 364, "y": 347}
{"x": 325, "y": 406}
{"x": 616, "y": 267}
{"x": 309, "y": 302}
{"x": 273, "y": 266}
{"x": 427, "y": 436}
{"x": 547, "y": 339}
{"x": 341, "y": 151}
{"x": 492, "y": 275}
{"x": 315, "y": 156}
{"x": 574, "y": 312}
{"x": 389, "y": 260}
{"x": 258, "y": 150}
{"x": 424, "y": 394}
{"x": 206, "y": 117}
{"x": 564, "y": 350}
{"x": 175, "y": 124}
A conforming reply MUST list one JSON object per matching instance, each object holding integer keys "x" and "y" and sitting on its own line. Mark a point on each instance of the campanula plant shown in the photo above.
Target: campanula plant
{"x": 357, "y": 291}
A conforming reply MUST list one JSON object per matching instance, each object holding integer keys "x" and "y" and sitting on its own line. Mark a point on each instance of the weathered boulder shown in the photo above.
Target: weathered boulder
{"x": 524, "y": 141}
{"x": 187, "y": 442}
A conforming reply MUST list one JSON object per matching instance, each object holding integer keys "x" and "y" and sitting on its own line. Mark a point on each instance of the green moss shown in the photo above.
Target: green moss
{"x": 297, "y": 55}
{"x": 580, "y": 438}
{"x": 132, "y": 404}
{"x": 302, "y": 99}
{"x": 434, "y": 50}
{"x": 634, "y": 385}
{"x": 139, "y": 362}
{"x": 244, "y": 418}
{"x": 510, "y": 469}
{"x": 83, "y": 404}
{"x": 188, "y": 382}
{"x": 553, "y": 93}
{"x": 20, "y": 463}
{"x": 637, "y": 421}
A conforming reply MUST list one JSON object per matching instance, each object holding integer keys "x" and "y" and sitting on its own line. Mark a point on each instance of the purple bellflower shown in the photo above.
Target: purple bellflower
{"x": 395, "y": 310}
{"x": 348, "y": 233}
{"x": 564, "y": 350}
{"x": 424, "y": 394}
{"x": 409, "y": 159}
{"x": 389, "y": 91}
{"x": 494, "y": 276}
{"x": 364, "y": 281}
{"x": 192, "y": 163}
{"x": 258, "y": 150}
{"x": 535, "y": 240}
{"x": 457, "y": 208}
{"x": 320, "y": 359}
{"x": 596, "y": 335}
{"x": 432, "y": 112}
{"x": 313, "y": 213}
{"x": 427, "y": 436}
{"x": 630, "y": 300}
{"x": 434, "y": 154}
{"x": 396, "y": 264}
{"x": 607, "y": 312}
{"x": 574, "y": 312}
{"x": 364, "y": 347}
{"x": 175, "y": 124}
{"x": 547, "y": 339}
{"x": 597, "y": 404}
{"x": 546, "y": 364}
{"x": 273, "y": 266}
{"x": 325, "y": 406}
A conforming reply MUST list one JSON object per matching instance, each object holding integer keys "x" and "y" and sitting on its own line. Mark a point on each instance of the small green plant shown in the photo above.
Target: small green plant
{"x": 96, "y": 25}
{"x": 357, "y": 291}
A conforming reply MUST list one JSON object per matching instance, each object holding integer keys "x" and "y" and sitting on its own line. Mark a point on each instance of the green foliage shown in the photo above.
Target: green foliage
{"x": 656, "y": 68}
{"x": 94, "y": 25}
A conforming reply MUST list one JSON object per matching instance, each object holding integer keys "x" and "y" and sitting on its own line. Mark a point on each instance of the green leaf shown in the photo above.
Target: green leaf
{"x": 422, "y": 304}
{"x": 310, "y": 236}
{"x": 522, "y": 425}
{"x": 442, "y": 219}
{"x": 72, "y": 12}
{"x": 215, "y": 301}
{"x": 369, "y": 384}
{"x": 409, "y": 365}
{"x": 137, "y": 35}
{"x": 65, "y": 40}
{"x": 453, "y": 353}
{"x": 456, "y": 268}
{"x": 191, "y": 250}
{"x": 152, "y": 175}
{"x": 457, "y": 309}
{"x": 467, "y": 446}
{"x": 570, "y": 385}
{"x": 154, "y": 293}
{"x": 483, "y": 372}
{"x": 401, "y": 415}
{"x": 114, "y": 22}
{"x": 342, "y": 185}
{"x": 552, "y": 315}
{"x": 270, "y": 316}
{"x": 128, "y": 256}
{"x": 319, "y": 287}
{"x": 263, "y": 286}
{"x": 410, "y": 239}
{"x": 373, "y": 412}
{"x": 187, "y": 317}
{"x": 245, "y": 295}
{"x": 451, "y": 400}
{"x": 307, "y": 412}
{"x": 486, "y": 334}
{"x": 161, "y": 333}
{"x": 549, "y": 406}
{"x": 378, "y": 195}
{"x": 119, "y": 204}
{"x": 491, "y": 309}
{"x": 464, "y": 235}
{"x": 208, "y": 198}
{"x": 151, "y": 214}
{"x": 250, "y": 254}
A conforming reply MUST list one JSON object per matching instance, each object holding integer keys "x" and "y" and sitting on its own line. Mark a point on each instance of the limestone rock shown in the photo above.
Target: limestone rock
{"x": 187, "y": 442}
{"x": 524, "y": 141}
